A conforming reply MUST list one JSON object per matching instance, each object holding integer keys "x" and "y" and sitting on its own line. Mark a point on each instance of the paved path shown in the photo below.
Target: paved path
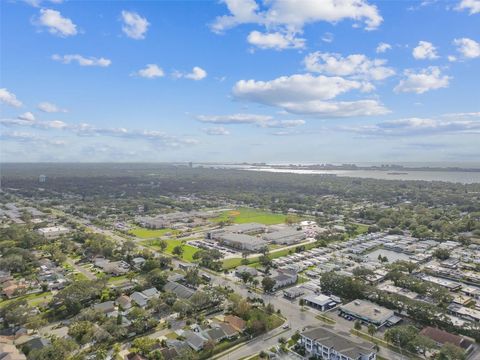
{"x": 82, "y": 270}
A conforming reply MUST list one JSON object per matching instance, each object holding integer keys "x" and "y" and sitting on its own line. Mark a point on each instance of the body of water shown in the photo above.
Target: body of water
{"x": 463, "y": 177}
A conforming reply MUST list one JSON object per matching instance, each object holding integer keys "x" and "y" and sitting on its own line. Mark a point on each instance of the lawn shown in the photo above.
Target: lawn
{"x": 274, "y": 254}
{"x": 144, "y": 233}
{"x": 32, "y": 299}
{"x": 188, "y": 250}
{"x": 247, "y": 215}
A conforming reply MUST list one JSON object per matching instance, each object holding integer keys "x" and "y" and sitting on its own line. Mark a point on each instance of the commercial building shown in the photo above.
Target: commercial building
{"x": 369, "y": 313}
{"x": 465, "y": 312}
{"x": 286, "y": 237}
{"x": 321, "y": 302}
{"x": 241, "y": 241}
{"x": 325, "y": 344}
{"x": 53, "y": 232}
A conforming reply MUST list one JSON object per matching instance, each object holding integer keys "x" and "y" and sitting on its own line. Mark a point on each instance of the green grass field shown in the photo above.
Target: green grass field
{"x": 144, "y": 233}
{"x": 247, "y": 215}
{"x": 188, "y": 251}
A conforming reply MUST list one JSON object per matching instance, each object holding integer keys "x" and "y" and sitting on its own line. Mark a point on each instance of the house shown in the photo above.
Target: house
{"x": 180, "y": 290}
{"x": 229, "y": 331}
{"x": 321, "y": 302}
{"x": 139, "y": 299}
{"x": 8, "y": 351}
{"x": 36, "y": 343}
{"x": 138, "y": 262}
{"x": 326, "y": 344}
{"x": 284, "y": 278}
{"x": 124, "y": 302}
{"x": 151, "y": 293}
{"x": 169, "y": 353}
{"x": 237, "y": 323}
{"x": 293, "y": 293}
{"x": 215, "y": 334}
{"x": 105, "y": 307}
{"x": 442, "y": 337}
{"x": 195, "y": 340}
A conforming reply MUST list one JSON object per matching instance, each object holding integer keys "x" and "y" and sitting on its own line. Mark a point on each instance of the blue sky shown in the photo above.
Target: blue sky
{"x": 239, "y": 80}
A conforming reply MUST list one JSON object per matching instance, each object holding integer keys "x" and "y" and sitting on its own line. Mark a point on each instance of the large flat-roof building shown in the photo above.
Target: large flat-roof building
{"x": 53, "y": 232}
{"x": 286, "y": 237}
{"x": 241, "y": 241}
{"x": 325, "y": 344}
{"x": 368, "y": 312}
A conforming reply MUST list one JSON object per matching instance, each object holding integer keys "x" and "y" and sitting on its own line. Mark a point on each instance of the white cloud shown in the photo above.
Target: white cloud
{"x": 327, "y": 37}
{"x": 217, "y": 131}
{"x": 383, "y": 47}
{"x": 298, "y": 87}
{"x": 288, "y": 14}
{"x": 50, "y": 108}
{"x": 263, "y": 121}
{"x": 134, "y": 25}
{"x": 275, "y": 40}
{"x": 81, "y": 60}
{"x": 150, "y": 71}
{"x": 425, "y": 50}
{"x": 473, "y": 6}
{"x": 308, "y": 94}
{"x": 417, "y": 127}
{"x": 56, "y": 23}
{"x": 356, "y": 65}
{"x": 197, "y": 74}
{"x": 37, "y": 3}
{"x": 9, "y": 98}
{"x": 467, "y": 47}
{"x": 27, "y": 116}
{"x": 452, "y": 58}
{"x": 427, "y": 79}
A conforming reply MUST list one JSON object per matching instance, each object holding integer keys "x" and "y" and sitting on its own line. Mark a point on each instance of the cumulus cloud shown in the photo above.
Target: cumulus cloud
{"x": 263, "y": 121}
{"x": 150, "y": 71}
{"x": 425, "y": 50}
{"x": 308, "y": 94}
{"x": 287, "y": 14}
{"x": 275, "y": 40}
{"x": 427, "y": 79}
{"x": 134, "y": 25}
{"x": 37, "y": 3}
{"x": 9, "y": 98}
{"x": 82, "y": 60}
{"x": 356, "y": 66}
{"x": 56, "y": 23}
{"x": 472, "y": 6}
{"x": 467, "y": 47}
{"x": 27, "y": 116}
{"x": 197, "y": 73}
{"x": 217, "y": 131}
{"x": 50, "y": 108}
{"x": 416, "y": 127}
{"x": 383, "y": 47}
